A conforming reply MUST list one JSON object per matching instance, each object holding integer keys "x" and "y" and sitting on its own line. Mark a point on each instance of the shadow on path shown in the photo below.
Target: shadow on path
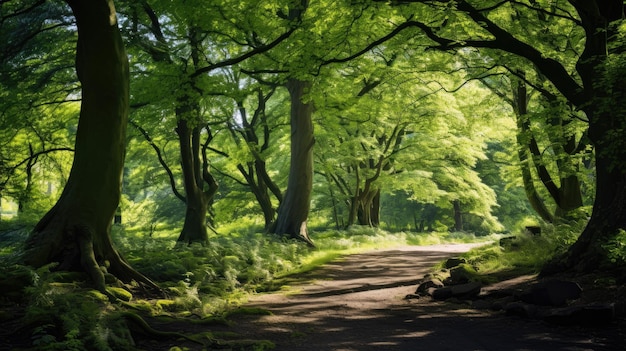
{"x": 357, "y": 304}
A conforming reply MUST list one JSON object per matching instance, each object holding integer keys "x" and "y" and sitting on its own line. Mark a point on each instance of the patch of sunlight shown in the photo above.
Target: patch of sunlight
{"x": 416, "y": 334}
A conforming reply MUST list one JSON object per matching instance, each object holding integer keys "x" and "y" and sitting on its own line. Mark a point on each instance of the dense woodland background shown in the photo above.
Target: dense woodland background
{"x": 208, "y": 147}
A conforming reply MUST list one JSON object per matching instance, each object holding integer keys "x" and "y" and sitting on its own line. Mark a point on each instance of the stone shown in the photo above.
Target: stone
{"x": 587, "y": 315}
{"x": 461, "y": 274}
{"x": 501, "y": 303}
{"x": 440, "y": 293}
{"x": 427, "y": 284}
{"x": 468, "y": 290}
{"x": 482, "y": 304}
{"x": 520, "y": 309}
{"x": 453, "y": 262}
{"x": 461, "y": 291}
{"x": 552, "y": 293}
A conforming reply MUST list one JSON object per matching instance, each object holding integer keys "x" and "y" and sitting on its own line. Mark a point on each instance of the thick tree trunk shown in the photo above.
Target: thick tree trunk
{"x": 608, "y": 218}
{"x": 570, "y": 197}
{"x": 76, "y": 231}
{"x": 604, "y": 103}
{"x": 294, "y": 209}
{"x": 369, "y": 207}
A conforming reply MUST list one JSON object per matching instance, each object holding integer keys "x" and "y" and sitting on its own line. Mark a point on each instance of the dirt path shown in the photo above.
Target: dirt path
{"x": 357, "y": 304}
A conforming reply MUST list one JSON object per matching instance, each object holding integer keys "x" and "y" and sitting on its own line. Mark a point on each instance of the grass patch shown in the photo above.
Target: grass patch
{"x": 524, "y": 253}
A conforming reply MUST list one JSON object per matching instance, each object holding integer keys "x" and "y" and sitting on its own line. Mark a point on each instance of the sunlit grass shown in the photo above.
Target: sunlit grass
{"x": 240, "y": 259}
{"x": 525, "y": 253}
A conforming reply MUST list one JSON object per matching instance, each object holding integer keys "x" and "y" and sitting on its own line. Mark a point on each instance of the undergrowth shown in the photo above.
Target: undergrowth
{"x": 215, "y": 278}
{"x": 206, "y": 283}
{"x": 523, "y": 253}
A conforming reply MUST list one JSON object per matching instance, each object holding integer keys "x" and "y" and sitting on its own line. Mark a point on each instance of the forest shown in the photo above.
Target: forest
{"x": 169, "y": 158}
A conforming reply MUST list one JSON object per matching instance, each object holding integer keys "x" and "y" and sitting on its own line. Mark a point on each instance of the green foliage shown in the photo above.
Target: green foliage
{"x": 70, "y": 316}
{"x": 209, "y": 280}
{"x": 616, "y": 249}
{"x": 524, "y": 253}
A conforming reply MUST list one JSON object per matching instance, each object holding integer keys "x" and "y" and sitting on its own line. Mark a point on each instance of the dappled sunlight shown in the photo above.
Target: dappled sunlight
{"x": 357, "y": 304}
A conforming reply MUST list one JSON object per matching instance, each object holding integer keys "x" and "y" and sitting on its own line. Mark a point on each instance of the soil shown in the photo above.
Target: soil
{"x": 358, "y": 303}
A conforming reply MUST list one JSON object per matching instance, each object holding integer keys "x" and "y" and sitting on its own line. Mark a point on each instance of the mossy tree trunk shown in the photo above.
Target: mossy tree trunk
{"x": 76, "y": 231}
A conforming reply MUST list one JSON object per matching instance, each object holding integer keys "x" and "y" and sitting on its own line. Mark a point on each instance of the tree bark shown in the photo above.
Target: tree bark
{"x": 368, "y": 204}
{"x": 458, "y": 216}
{"x": 195, "y": 178}
{"x": 294, "y": 209}
{"x": 76, "y": 231}
{"x": 603, "y": 101}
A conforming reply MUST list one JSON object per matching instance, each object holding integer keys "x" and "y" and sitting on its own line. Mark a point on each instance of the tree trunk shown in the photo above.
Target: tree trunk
{"x": 294, "y": 209}
{"x": 458, "y": 216}
{"x": 194, "y": 179}
{"x": 369, "y": 207}
{"x": 76, "y": 231}
{"x": 570, "y": 197}
{"x": 375, "y": 210}
{"x": 604, "y": 103}
{"x": 259, "y": 188}
{"x": 608, "y": 218}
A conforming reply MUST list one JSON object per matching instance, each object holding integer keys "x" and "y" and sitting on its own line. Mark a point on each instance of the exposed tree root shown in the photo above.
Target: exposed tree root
{"x": 145, "y": 328}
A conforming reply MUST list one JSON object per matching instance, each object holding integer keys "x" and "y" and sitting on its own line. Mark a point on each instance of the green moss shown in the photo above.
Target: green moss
{"x": 120, "y": 293}
{"x": 167, "y": 305}
{"x": 97, "y": 295}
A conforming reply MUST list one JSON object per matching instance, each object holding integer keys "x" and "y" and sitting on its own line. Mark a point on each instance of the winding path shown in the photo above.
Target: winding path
{"x": 356, "y": 304}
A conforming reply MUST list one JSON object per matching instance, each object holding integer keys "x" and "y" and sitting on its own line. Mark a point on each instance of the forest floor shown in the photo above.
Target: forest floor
{"x": 358, "y": 303}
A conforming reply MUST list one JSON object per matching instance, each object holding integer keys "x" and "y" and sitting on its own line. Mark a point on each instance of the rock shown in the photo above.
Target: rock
{"x": 552, "y": 293}
{"x": 520, "y": 309}
{"x": 427, "y": 284}
{"x": 440, "y": 293}
{"x": 453, "y": 262}
{"x": 501, "y": 303}
{"x": 590, "y": 315}
{"x": 461, "y": 291}
{"x": 469, "y": 290}
{"x": 461, "y": 274}
{"x": 482, "y": 305}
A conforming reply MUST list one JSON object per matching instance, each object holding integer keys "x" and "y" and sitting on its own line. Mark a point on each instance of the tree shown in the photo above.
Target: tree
{"x": 551, "y": 141}
{"x": 36, "y": 82}
{"x": 255, "y": 134}
{"x": 76, "y": 231}
{"x": 585, "y": 76}
{"x": 198, "y": 56}
{"x": 294, "y": 208}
